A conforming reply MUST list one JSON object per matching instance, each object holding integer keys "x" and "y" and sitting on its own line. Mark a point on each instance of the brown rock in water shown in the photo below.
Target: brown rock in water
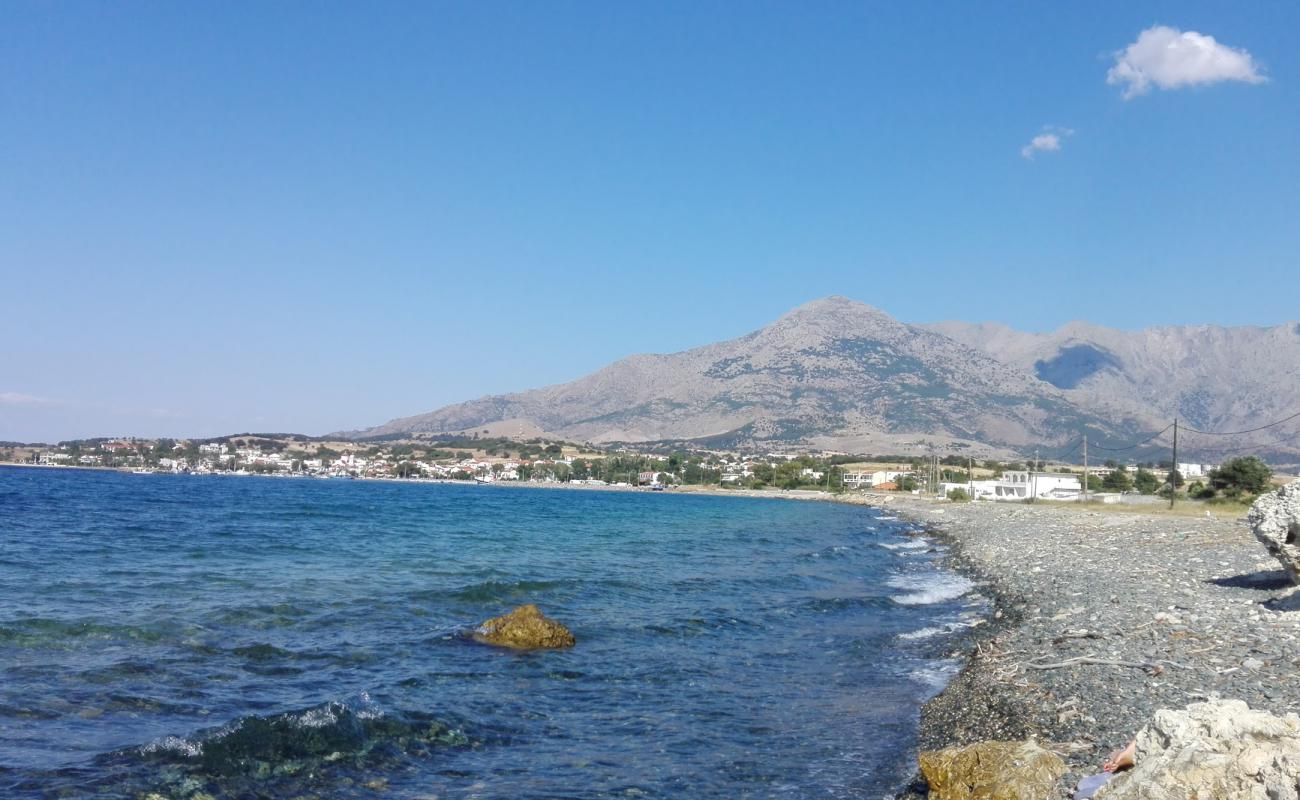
{"x": 525, "y": 628}
{"x": 992, "y": 771}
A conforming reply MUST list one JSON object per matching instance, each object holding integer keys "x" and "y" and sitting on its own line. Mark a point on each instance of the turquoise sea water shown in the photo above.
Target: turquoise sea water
{"x": 260, "y": 637}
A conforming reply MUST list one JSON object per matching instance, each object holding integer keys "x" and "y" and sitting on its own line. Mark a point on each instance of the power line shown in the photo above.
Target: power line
{"x": 1246, "y": 448}
{"x": 1071, "y": 451}
{"x": 1238, "y": 433}
{"x": 1135, "y": 445}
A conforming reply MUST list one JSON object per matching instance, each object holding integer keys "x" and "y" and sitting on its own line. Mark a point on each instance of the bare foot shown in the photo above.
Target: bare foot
{"x": 1120, "y": 759}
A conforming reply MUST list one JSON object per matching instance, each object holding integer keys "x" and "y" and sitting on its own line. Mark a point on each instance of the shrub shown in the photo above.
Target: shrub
{"x": 1246, "y": 474}
{"x": 958, "y": 496}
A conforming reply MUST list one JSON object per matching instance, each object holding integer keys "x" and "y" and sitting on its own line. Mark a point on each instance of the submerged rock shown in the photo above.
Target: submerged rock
{"x": 1275, "y": 521}
{"x": 1220, "y": 750}
{"x": 525, "y": 628}
{"x": 992, "y": 771}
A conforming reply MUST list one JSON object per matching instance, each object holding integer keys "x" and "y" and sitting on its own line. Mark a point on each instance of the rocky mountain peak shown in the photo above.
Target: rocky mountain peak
{"x": 833, "y": 317}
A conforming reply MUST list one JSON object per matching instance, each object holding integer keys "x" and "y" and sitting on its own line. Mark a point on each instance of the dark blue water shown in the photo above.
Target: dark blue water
{"x": 255, "y": 637}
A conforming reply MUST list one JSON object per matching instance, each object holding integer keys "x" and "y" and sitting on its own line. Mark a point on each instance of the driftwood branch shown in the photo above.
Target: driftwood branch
{"x": 1149, "y": 666}
{"x": 1084, "y": 635}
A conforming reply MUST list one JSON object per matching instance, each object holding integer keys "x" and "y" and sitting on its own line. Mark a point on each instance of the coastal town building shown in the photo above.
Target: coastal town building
{"x": 1038, "y": 485}
{"x": 872, "y": 480}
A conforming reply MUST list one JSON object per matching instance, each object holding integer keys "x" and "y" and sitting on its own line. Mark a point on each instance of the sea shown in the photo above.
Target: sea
{"x": 199, "y": 637}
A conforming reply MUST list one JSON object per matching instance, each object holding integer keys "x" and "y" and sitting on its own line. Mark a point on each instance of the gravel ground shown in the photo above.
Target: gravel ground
{"x": 1195, "y": 607}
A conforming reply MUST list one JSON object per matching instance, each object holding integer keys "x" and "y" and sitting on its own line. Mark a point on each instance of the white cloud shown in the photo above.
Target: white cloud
{"x": 1173, "y": 59}
{"x": 1049, "y": 141}
{"x": 18, "y": 399}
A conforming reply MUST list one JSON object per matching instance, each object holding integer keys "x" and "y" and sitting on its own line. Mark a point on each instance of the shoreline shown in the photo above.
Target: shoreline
{"x": 1196, "y": 600}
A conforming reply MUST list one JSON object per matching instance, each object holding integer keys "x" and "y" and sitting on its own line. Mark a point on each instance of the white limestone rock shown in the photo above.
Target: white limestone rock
{"x": 1219, "y": 750}
{"x": 1275, "y": 521}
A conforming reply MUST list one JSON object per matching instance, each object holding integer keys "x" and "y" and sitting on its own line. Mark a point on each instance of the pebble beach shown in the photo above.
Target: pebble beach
{"x": 1103, "y": 618}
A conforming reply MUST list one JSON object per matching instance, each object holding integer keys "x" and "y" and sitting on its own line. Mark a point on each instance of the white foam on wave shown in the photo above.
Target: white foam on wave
{"x": 907, "y": 544}
{"x": 951, "y": 627}
{"x": 936, "y": 675}
{"x": 924, "y": 633}
{"x": 921, "y": 591}
{"x": 321, "y": 717}
{"x": 174, "y": 744}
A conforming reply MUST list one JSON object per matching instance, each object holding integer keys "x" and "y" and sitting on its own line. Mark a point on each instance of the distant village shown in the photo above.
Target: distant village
{"x": 491, "y": 460}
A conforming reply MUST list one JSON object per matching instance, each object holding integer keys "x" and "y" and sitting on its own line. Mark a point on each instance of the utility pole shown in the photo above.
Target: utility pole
{"x": 1085, "y": 467}
{"x": 1033, "y": 480}
{"x": 970, "y": 476}
{"x": 1173, "y": 468}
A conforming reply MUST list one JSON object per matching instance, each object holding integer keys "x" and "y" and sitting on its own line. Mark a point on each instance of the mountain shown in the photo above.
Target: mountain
{"x": 833, "y": 373}
{"x": 1213, "y": 378}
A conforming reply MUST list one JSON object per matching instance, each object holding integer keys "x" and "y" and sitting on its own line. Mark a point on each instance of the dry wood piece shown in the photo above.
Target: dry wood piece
{"x": 1149, "y": 666}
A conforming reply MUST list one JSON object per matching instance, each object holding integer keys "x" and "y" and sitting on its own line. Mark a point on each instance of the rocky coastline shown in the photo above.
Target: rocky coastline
{"x": 1101, "y": 619}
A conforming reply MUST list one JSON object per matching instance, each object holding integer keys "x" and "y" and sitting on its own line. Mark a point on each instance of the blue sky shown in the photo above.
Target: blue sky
{"x": 314, "y": 216}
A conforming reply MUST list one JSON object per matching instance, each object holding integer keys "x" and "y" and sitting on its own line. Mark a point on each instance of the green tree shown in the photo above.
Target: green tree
{"x": 1241, "y": 475}
{"x": 1145, "y": 481}
{"x": 1117, "y": 480}
{"x": 958, "y": 496}
{"x": 407, "y": 469}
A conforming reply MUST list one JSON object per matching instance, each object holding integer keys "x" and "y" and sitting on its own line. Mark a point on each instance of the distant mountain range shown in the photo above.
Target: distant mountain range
{"x": 839, "y": 374}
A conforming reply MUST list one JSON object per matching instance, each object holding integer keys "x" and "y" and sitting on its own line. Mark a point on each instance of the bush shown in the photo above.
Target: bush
{"x": 1247, "y": 474}
{"x": 958, "y": 496}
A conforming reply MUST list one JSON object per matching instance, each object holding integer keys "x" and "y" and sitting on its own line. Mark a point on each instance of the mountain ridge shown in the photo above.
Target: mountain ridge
{"x": 831, "y": 372}
{"x": 835, "y": 373}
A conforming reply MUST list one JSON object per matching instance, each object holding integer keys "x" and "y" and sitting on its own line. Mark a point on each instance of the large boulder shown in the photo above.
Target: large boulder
{"x": 992, "y": 771}
{"x": 1220, "y": 750}
{"x": 1275, "y": 521}
{"x": 525, "y": 628}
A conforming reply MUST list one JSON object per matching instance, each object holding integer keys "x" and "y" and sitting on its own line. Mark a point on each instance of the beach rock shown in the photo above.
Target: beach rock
{"x": 1213, "y": 751}
{"x": 991, "y": 771}
{"x": 525, "y": 628}
{"x": 1275, "y": 521}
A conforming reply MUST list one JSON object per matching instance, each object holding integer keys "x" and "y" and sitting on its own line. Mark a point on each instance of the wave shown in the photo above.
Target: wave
{"x": 286, "y": 754}
{"x": 936, "y": 676}
{"x": 929, "y": 589}
{"x": 832, "y": 552}
{"x": 907, "y": 545}
{"x": 495, "y": 591}
{"x": 823, "y": 605}
{"x": 943, "y": 630}
{"x": 42, "y": 632}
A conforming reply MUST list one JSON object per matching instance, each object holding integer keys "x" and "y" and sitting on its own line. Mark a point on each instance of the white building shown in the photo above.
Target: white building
{"x": 1039, "y": 485}
{"x": 1195, "y": 470}
{"x": 865, "y": 480}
